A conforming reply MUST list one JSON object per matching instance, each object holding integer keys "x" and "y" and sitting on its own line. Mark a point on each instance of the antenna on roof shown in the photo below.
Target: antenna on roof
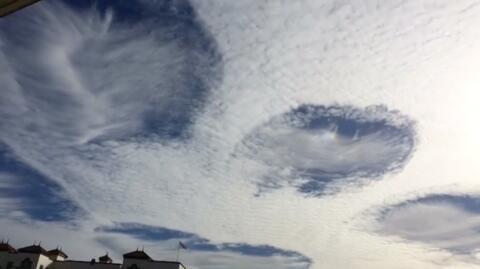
{"x": 143, "y": 248}
{"x": 39, "y": 243}
{"x": 34, "y": 242}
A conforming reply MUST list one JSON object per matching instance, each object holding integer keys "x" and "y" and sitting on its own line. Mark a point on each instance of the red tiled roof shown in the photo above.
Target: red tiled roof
{"x": 138, "y": 254}
{"x": 57, "y": 252}
{"x": 37, "y": 249}
{"x": 105, "y": 258}
{"x": 5, "y": 247}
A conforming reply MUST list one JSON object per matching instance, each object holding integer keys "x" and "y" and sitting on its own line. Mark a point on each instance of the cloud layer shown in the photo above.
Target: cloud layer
{"x": 196, "y": 243}
{"x": 175, "y": 115}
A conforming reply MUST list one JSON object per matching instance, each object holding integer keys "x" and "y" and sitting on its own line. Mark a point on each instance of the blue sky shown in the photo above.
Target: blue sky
{"x": 314, "y": 134}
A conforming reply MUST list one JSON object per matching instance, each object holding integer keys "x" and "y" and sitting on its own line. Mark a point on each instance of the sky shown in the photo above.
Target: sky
{"x": 262, "y": 134}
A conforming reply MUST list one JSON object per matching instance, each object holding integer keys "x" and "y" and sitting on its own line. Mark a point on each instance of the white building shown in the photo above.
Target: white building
{"x": 36, "y": 257}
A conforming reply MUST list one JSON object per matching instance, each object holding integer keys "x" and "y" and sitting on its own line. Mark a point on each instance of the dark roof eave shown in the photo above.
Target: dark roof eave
{"x": 167, "y": 262}
{"x": 138, "y": 255}
{"x": 5, "y": 247}
{"x": 57, "y": 252}
{"x": 137, "y": 258}
{"x": 73, "y": 261}
{"x": 34, "y": 249}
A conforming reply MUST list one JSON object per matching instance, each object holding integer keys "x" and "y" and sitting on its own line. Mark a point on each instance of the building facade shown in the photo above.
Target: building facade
{"x": 36, "y": 257}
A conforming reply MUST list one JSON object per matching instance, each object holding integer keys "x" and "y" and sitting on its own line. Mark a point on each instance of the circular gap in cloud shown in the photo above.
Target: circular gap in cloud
{"x": 448, "y": 222}
{"x": 318, "y": 149}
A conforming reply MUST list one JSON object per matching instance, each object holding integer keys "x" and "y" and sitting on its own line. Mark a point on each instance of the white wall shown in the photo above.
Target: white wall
{"x": 140, "y": 263}
{"x": 84, "y": 265}
{"x": 38, "y": 260}
{"x": 145, "y": 264}
{"x": 3, "y": 259}
{"x": 43, "y": 262}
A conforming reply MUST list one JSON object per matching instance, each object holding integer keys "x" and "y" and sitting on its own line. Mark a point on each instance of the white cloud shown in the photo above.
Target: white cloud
{"x": 440, "y": 222}
{"x": 419, "y": 58}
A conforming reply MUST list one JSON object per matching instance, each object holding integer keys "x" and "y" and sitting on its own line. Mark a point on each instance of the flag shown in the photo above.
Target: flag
{"x": 182, "y": 245}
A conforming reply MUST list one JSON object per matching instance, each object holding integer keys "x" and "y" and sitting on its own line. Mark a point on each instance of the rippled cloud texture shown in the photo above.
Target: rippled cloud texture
{"x": 449, "y": 222}
{"x": 258, "y": 132}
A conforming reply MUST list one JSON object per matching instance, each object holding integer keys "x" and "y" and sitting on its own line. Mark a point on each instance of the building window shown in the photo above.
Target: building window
{"x": 26, "y": 264}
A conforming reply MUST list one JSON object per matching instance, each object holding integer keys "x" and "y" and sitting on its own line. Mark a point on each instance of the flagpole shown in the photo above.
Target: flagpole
{"x": 180, "y": 245}
{"x": 178, "y": 251}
